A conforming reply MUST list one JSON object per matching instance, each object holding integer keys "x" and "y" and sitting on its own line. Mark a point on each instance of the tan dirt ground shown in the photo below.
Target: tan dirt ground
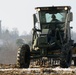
{"x": 10, "y": 69}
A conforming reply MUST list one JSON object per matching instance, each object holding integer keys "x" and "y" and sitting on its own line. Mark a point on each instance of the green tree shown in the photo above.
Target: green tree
{"x": 19, "y": 42}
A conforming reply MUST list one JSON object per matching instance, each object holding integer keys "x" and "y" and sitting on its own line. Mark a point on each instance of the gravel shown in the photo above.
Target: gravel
{"x": 10, "y": 69}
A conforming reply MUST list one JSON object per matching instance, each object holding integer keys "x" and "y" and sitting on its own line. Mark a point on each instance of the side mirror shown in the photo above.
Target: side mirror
{"x": 34, "y": 18}
{"x": 70, "y": 16}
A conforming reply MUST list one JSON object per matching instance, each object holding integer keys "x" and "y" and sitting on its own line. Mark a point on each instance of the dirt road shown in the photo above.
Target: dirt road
{"x": 12, "y": 70}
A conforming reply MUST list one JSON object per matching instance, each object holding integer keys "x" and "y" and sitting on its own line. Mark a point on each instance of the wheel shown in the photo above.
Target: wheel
{"x": 66, "y": 61}
{"x": 23, "y": 57}
{"x": 74, "y": 61}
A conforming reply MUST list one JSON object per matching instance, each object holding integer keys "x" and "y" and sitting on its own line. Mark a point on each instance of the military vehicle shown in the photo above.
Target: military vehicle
{"x": 51, "y": 37}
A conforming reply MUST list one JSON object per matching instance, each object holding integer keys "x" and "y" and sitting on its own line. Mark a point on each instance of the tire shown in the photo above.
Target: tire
{"x": 23, "y": 57}
{"x": 66, "y": 61}
{"x": 74, "y": 61}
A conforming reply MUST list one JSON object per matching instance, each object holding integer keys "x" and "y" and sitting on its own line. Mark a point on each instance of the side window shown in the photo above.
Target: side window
{"x": 42, "y": 17}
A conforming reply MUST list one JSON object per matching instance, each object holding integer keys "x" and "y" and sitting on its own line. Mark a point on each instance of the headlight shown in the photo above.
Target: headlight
{"x": 65, "y": 8}
{"x": 38, "y": 9}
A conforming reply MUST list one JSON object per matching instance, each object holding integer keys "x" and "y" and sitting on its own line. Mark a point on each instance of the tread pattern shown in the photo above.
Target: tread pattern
{"x": 23, "y": 56}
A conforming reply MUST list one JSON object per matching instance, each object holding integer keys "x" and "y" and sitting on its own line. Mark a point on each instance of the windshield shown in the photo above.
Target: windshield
{"x": 47, "y": 17}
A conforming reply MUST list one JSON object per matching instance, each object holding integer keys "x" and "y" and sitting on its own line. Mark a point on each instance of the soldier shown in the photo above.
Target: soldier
{"x": 54, "y": 18}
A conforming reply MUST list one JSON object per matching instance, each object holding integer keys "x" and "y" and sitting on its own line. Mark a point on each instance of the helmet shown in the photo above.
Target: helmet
{"x": 53, "y": 16}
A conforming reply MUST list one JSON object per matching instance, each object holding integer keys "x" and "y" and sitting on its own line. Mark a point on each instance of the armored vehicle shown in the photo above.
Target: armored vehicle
{"x": 51, "y": 37}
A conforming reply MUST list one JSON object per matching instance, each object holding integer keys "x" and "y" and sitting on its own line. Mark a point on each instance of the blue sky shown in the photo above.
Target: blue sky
{"x": 18, "y": 13}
